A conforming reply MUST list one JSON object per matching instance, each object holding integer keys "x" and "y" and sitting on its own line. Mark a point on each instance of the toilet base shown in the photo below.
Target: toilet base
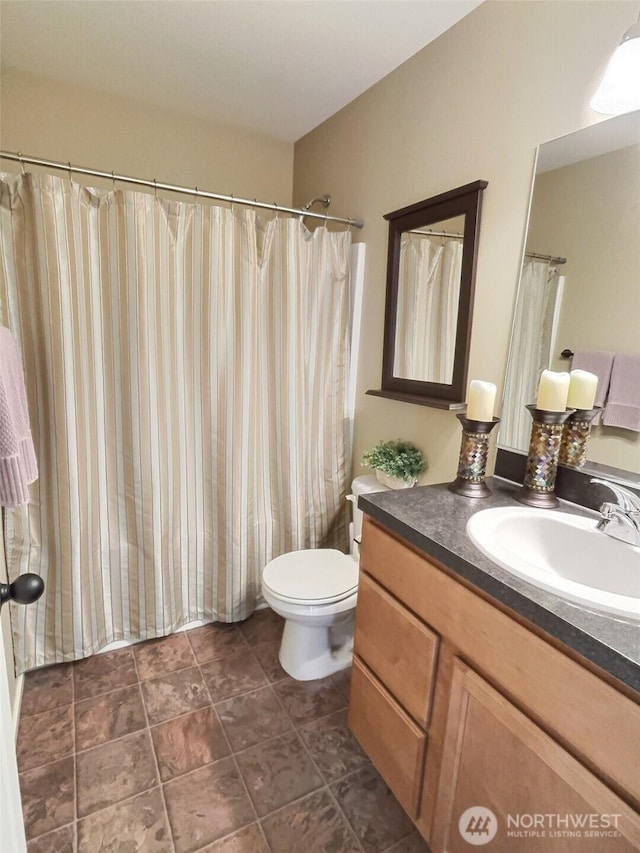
{"x": 310, "y": 651}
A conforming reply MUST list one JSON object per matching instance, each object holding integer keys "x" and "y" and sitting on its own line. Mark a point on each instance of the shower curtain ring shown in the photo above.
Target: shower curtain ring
{"x": 113, "y": 179}
{"x": 275, "y": 204}
{"x": 155, "y": 189}
{"x": 70, "y": 170}
{"x": 21, "y": 162}
{"x": 232, "y": 208}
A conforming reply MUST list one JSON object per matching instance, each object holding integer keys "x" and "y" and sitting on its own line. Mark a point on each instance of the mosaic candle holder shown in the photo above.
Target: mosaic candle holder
{"x": 542, "y": 461}
{"x": 575, "y": 437}
{"x": 472, "y": 465}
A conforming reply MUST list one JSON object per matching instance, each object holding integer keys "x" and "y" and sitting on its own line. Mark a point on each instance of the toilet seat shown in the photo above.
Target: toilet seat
{"x": 313, "y": 576}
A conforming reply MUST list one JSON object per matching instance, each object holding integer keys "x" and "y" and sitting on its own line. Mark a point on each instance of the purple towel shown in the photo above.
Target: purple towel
{"x": 623, "y": 404}
{"x": 600, "y": 363}
{"x": 18, "y": 466}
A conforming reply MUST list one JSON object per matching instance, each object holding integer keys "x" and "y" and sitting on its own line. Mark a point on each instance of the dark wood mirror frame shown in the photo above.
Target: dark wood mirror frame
{"x": 467, "y": 201}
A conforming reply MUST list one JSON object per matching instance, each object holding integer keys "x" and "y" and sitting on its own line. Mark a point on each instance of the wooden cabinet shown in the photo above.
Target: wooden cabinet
{"x": 399, "y": 648}
{"x": 399, "y": 755}
{"x": 459, "y": 704}
{"x": 496, "y": 757}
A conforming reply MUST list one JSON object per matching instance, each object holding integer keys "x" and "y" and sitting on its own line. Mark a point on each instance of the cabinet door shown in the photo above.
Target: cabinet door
{"x": 539, "y": 797}
{"x": 388, "y": 735}
{"x": 399, "y": 648}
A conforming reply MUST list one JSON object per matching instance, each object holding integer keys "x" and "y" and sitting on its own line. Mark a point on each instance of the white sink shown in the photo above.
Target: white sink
{"x": 562, "y": 553}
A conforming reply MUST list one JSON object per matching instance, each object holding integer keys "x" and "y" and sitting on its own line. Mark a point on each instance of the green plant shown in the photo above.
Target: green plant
{"x": 400, "y": 459}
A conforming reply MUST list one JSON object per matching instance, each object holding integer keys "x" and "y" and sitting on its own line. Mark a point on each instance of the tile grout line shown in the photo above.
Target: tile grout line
{"x": 318, "y": 769}
{"x": 232, "y": 755}
{"x": 71, "y": 755}
{"x": 299, "y": 800}
{"x": 150, "y": 725}
{"x": 393, "y": 843}
{"x": 327, "y": 785}
{"x": 214, "y": 705}
{"x": 296, "y": 728}
{"x": 292, "y": 730}
{"x": 55, "y": 829}
{"x": 155, "y": 758}
{"x": 347, "y": 821}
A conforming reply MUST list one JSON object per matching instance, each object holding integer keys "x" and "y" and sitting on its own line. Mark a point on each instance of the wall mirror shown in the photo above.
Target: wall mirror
{"x": 429, "y": 305}
{"x": 579, "y": 288}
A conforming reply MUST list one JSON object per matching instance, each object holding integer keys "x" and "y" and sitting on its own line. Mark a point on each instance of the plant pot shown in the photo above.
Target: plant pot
{"x": 393, "y": 482}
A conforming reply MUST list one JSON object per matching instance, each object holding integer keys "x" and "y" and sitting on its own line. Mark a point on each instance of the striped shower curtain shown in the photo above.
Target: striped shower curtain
{"x": 532, "y": 341}
{"x": 186, "y": 368}
{"x": 427, "y": 312}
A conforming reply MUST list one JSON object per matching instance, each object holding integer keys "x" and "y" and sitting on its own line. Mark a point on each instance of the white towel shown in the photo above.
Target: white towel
{"x": 623, "y": 403}
{"x": 600, "y": 363}
{"x": 18, "y": 466}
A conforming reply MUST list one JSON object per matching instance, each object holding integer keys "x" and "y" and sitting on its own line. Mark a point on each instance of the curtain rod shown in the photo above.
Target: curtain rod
{"x": 157, "y": 185}
{"x": 545, "y": 258}
{"x": 438, "y": 234}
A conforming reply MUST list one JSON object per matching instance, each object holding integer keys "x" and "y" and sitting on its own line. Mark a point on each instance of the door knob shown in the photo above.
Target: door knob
{"x": 25, "y": 589}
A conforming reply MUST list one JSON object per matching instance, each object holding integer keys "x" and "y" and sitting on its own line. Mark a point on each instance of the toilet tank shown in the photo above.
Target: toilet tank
{"x": 360, "y": 486}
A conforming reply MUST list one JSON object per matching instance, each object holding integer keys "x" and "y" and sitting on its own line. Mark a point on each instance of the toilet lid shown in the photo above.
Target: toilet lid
{"x": 313, "y": 576}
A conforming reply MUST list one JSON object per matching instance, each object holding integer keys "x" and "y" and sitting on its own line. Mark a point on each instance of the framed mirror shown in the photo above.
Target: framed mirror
{"x": 579, "y": 289}
{"x": 429, "y": 304}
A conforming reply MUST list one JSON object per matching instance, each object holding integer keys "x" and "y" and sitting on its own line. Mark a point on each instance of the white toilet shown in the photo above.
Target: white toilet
{"x": 316, "y": 590}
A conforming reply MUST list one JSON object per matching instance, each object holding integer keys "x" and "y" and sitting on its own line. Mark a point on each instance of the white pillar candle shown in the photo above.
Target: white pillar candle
{"x": 582, "y": 389}
{"x": 552, "y": 391}
{"x": 482, "y": 396}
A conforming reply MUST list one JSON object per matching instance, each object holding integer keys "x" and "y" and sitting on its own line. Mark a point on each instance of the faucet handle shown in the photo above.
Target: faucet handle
{"x": 627, "y": 500}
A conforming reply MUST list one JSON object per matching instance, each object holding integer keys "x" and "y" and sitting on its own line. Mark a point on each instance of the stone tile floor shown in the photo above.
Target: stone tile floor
{"x": 199, "y": 742}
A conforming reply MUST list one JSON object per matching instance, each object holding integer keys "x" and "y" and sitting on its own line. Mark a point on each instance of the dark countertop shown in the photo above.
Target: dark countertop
{"x": 433, "y": 519}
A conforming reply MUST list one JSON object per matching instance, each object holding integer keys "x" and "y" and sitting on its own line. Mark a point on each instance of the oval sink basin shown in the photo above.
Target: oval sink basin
{"x": 562, "y": 553}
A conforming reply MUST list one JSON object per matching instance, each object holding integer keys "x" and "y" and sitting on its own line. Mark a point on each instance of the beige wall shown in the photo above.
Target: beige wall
{"x": 68, "y": 123}
{"x": 589, "y": 213}
{"x": 474, "y": 104}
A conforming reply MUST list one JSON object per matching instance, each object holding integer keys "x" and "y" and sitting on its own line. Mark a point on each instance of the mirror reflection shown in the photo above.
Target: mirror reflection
{"x": 578, "y": 301}
{"x": 431, "y": 268}
{"x": 428, "y": 299}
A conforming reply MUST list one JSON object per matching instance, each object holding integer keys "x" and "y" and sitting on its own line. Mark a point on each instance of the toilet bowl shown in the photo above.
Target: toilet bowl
{"x": 315, "y": 590}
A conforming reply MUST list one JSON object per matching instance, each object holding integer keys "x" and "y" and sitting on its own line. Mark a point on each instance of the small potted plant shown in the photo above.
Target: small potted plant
{"x": 398, "y": 464}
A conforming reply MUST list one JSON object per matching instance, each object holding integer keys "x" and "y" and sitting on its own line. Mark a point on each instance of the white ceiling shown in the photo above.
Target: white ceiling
{"x": 280, "y": 67}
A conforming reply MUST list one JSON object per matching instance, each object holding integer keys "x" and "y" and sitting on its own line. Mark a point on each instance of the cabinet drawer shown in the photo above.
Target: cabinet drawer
{"x": 388, "y": 735}
{"x": 397, "y": 647}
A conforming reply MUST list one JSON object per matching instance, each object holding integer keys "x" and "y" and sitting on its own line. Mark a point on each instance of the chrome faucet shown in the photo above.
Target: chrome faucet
{"x": 620, "y": 520}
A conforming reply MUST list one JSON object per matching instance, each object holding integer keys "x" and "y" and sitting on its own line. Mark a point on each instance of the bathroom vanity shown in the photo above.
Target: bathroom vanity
{"x": 473, "y": 688}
